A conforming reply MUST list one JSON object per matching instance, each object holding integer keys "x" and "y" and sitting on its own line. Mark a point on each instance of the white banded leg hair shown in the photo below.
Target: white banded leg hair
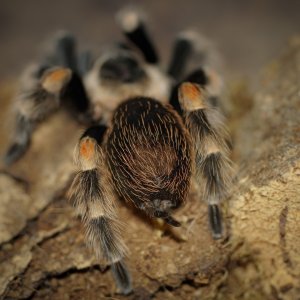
{"x": 213, "y": 165}
{"x": 133, "y": 26}
{"x": 93, "y": 198}
{"x": 39, "y": 96}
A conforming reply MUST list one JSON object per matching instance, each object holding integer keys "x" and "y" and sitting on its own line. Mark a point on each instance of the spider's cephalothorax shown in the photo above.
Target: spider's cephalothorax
{"x": 123, "y": 72}
{"x": 152, "y": 132}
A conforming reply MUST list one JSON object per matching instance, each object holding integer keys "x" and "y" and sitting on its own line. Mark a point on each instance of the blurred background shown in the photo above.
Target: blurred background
{"x": 247, "y": 33}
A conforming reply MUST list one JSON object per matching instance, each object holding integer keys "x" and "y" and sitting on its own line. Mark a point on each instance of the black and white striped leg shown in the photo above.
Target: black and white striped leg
{"x": 21, "y": 142}
{"x": 39, "y": 97}
{"x": 209, "y": 135}
{"x": 192, "y": 46}
{"x": 182, "y": 51}
{"x": 93, "y": 197}
{"x": 85, "y": 62}
{"x": 75, "y": 96}
{"x": 134, "y": 29}
{"x": 205, "y": 77}
{"x": 65, "y": 51}
{"x": 198, "y": 76}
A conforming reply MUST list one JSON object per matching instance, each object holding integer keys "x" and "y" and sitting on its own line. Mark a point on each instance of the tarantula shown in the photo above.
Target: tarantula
{"x": 151, "y": 132}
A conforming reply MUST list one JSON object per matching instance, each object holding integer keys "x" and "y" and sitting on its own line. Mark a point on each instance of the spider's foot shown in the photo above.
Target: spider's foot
{"x": 122, "y": 277}
{"x": 65, "y": 45}
{"x": 215, "y": 221}
{"x": 171, "y": 221}
{"x": 133, "y": 27}
{"x": 15, "y": 152}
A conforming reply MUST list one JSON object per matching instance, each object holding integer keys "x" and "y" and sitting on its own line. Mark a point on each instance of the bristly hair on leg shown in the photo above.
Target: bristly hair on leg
{"x": 182, "y": 50}
{"x": 94, "y": 199}
{"x": 75, "y": 96}
{"x": 39, "y": 96}
{"x": 205, "y": 52}
{"x": 122, "y": 277}
{"x": 213, "y": 166}
{"x": 198, "y": 76}
{"x": 24, "y": 128}
{"x": 65, "y": 50}
{"x": 194, "y": 53}
{"x": 132, "y": 24}
{"x": 103, "y": 235}
{"x": 85, "y": 62}
{"x": 215, "y": 221}
{"x": 104, "y": 232}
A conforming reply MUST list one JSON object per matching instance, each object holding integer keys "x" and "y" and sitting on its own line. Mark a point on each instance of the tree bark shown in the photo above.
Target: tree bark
{"x": 264, "y": 210}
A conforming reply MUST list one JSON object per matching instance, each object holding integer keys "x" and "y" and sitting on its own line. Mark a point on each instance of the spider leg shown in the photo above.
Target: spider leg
{"x": 21, "y": 142}
{"x": 213, "y": 165}
{"x": 206, "y": 78}
{"x": 93, "y": 198}
{"x": 198, "y": 76}
{"x": 34, "y": 103}
{"x": 182, "y": 50}
{"x": 191, "y": 46}
{"x": 171, "y": 221}
{"x": 66, "y": 56}
{"x": 134, "y": 29}
{"x": 85, "y": 62}
{"x": 65, "y": 51}
{"x": 75, "y": 96}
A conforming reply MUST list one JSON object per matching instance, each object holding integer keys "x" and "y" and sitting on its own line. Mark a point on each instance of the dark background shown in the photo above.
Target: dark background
{"x": 248, "y": 33}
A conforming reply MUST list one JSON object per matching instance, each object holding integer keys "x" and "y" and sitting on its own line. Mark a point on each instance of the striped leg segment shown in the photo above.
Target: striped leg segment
{"x": 39, "y": 97}
{"x": 134, "y": 29}
{"x": 193, "y": 47}
{"x": 198, "y": 76}
{"x": 93, "y": 197}
{"x": 182, "y": 50}
{"x": 85, "y": 62}
{"x": 66, "y": 56}
{"x": 21, "y": 142}
{"x": 75, "y": 95}
{"x": 205, "y": 77}
{"x": 213, "y": 165}
{"x": 65, "y": 51}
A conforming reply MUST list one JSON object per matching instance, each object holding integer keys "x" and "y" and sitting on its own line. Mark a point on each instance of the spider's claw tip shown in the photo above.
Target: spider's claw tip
{"x": 172, "y": 221}
{"x": 129, "y": 19}
{"x": 122, "y": 277}
{"x": 217, "y": 236}
{"x": 215, "y": 220}
{"x": 14, "y": 152}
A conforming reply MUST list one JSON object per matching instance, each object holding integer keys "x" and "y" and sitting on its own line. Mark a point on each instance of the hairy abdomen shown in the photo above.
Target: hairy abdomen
{"x": 149, "y": 155}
